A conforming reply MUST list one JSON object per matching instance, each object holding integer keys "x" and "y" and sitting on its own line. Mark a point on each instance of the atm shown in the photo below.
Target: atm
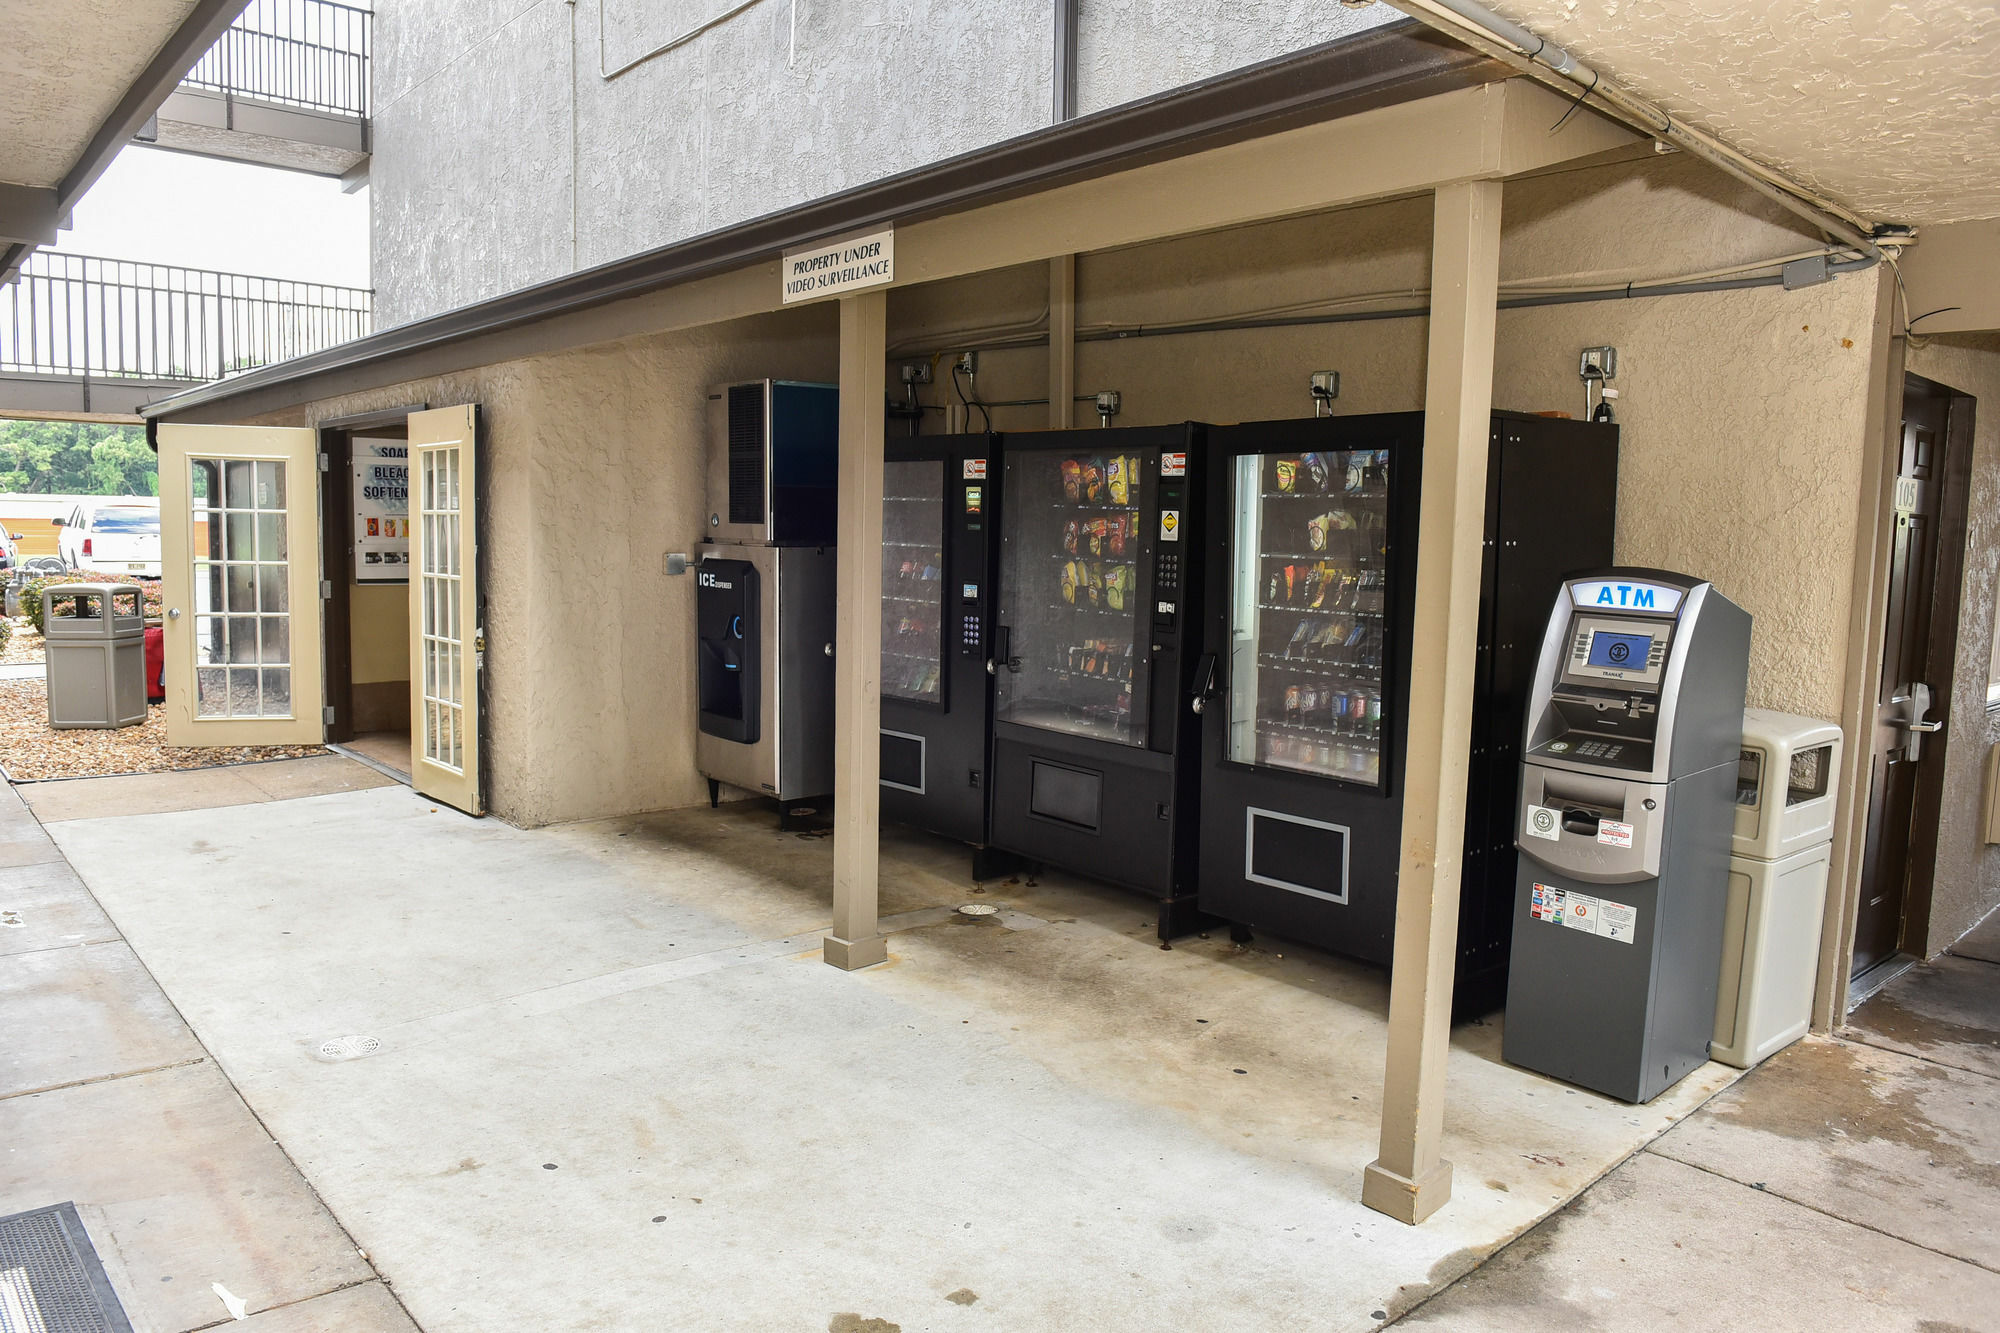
{"x": 1626, "y": 814}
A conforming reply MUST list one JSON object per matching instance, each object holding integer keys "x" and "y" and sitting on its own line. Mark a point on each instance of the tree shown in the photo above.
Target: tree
{"x": 76, "y": 458}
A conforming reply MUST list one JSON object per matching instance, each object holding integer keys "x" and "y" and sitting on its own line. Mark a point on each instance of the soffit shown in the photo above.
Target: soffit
{"x": 1891, "y": 107}
{"x": 64, "y": 67}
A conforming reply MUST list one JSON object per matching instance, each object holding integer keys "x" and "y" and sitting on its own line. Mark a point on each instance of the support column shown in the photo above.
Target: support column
{"x": 1062, "y": 340}
{"x": 1410, "y": 1180}
{"x": 856, "y": 940}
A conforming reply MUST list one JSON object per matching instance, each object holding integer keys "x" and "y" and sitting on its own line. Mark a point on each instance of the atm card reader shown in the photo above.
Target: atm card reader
{"x": 1634, "y": 728}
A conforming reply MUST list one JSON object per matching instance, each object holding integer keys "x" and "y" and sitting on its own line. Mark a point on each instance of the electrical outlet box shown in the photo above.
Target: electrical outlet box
{"x": 969, "y": 362}
{"x": 1599, "y": 363}
{"x": 1326, "y": 384}
{"x": 916, "y": 372}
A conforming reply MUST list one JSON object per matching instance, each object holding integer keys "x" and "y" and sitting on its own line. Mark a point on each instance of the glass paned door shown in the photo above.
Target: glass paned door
{"x": 441, "y": 645}
{"x": 239, "y": 545}
{"x": 1307, "y": 596}
{"x": 913, "y": 580}
{"x": 1074, "y": 555}
{"x": 447, "y": 643}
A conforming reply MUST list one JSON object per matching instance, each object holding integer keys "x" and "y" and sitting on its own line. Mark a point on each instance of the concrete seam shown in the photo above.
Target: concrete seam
{"x": 1814, "y": 1208}
{"x": 1912, "y": 1055}
{"x": 113, "y": 1078}
{"x": 58, "y": 948}
{"x": 286, "y": 1305}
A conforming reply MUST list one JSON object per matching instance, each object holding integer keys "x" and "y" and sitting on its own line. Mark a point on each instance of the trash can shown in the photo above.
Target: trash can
{"x": 94, "y": 644}
{"x": 1778, "y": 863}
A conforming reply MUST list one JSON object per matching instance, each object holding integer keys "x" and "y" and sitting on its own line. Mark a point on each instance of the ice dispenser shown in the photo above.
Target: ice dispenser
{"x": 1628, "y": 786}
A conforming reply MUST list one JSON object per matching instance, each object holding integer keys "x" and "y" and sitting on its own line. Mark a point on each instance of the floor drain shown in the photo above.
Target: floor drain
{"x": 50, "y": 1277}
{"x": 347, "y": 1048}
{"x": 979, "y": 909}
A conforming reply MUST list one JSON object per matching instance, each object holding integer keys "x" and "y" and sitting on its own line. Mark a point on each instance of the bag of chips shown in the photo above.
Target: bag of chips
{"x": 1072, "y": 479}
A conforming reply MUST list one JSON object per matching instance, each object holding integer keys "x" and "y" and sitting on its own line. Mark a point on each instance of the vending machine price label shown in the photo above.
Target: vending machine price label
{"x": 1580, "y": 911}
{"x": 1173, "y": 463}
{"x": 1544, "y": 823}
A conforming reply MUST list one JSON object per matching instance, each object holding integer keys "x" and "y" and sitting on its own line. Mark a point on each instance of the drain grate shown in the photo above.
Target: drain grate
{"x": 50, "y": 1277}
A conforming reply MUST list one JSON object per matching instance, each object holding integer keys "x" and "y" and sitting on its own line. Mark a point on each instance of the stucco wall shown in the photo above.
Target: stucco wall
{"x": 593, "y": 471}
{"x": 502, "y": 157}
{"x": 1742, "y": 413}
{"x": 1966, "y": 884}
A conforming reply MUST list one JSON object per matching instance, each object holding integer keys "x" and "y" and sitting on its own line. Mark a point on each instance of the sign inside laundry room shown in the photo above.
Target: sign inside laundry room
{"x": 839, "y": 267}
{"x": 381, "y": 511}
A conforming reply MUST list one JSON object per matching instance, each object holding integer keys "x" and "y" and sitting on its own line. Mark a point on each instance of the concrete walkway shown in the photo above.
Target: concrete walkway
{"x": 596, "y": 1077}
{"x": 108, "y": 1100}
{"x": 1851, "y": 1183}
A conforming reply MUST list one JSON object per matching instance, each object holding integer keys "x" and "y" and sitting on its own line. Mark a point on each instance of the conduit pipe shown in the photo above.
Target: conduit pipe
{"x": 1488, "y": 32}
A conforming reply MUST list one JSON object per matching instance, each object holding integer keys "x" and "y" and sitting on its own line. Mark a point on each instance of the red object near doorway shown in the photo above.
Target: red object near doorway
{"x": 156, "y": 664}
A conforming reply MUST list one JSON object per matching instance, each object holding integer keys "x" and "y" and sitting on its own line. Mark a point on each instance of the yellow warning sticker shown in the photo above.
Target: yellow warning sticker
{"x": 1170, "y": 525}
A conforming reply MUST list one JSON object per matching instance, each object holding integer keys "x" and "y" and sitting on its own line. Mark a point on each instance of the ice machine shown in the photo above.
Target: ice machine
{"x": 1312, "y": 578}
{"x": 1626, "y": 812}
{"x": 773, "y": 463}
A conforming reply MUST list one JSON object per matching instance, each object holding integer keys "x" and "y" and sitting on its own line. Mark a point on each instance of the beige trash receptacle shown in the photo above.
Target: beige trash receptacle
{"x": 94, "y": 651}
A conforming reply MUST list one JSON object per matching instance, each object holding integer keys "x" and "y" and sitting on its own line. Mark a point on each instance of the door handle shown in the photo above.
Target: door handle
{"x": 1204, "y": 681}
{"x": 173, "y": 613}
{"x": 1908, "y": 725}
{"x": 1003, "y": 640}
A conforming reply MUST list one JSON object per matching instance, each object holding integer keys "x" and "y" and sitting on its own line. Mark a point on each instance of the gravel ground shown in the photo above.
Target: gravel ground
{"x": 30, "y": 749}
{"x": 25, "y": 646}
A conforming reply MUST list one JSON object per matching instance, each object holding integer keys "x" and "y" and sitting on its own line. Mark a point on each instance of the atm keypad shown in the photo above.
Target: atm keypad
{"x": 1599, "y": 750}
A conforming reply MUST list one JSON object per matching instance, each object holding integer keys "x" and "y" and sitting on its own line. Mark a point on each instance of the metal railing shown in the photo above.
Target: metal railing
{"x": 303, "y": 53}
{"x": 76, "y": 315}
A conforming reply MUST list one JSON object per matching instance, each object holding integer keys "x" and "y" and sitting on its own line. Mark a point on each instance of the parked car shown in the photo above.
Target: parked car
{"x": 112, "y": 539}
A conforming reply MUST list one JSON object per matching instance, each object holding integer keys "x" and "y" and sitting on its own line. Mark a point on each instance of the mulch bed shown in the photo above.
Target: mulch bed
{"x": 26, "y": 645}
{"x": 31, "y": 750}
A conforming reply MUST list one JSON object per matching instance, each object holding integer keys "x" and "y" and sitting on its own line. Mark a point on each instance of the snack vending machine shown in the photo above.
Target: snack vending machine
{"x": 940, "y": 499}
{"x": 1093, "y": 651}
{"x": 1313, "y": 557}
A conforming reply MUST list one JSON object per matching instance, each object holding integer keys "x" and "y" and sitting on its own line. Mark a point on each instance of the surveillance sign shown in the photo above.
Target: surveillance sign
{"x": 381, "y": 511}
{"x": 841, "y": 267}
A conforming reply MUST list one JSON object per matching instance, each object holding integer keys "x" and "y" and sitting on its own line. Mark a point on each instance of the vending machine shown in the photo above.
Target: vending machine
{"x": 1312, "y": 570}
{"x": 940, "y": 501}
{"x": 1094, "y": 650}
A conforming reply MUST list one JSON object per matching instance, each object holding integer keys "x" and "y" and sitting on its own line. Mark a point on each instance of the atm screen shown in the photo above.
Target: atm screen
{"x": 1620, "y": 652}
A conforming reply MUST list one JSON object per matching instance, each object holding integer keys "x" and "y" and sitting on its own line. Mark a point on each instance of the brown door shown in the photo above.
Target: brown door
{"x": 1911, "y": 681}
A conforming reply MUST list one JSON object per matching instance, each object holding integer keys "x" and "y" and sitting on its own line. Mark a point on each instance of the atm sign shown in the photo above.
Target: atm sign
{"x": 1614, "y": 595}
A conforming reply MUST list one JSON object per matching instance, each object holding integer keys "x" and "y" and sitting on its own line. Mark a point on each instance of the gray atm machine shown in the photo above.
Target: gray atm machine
{"x": 1628, "y": 788}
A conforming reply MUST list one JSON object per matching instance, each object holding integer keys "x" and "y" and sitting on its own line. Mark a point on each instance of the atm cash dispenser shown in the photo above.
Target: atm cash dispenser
{"x": 1628, "y": 804}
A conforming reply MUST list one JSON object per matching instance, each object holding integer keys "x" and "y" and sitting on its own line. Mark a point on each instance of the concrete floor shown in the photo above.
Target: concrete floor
{"x": 1851, "y": 1183}
{"x": 613, "y": 1086}
{"x": 596, "y": 1077}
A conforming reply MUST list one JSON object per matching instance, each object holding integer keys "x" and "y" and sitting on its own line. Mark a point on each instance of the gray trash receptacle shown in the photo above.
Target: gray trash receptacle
{"x": 95, "y": 654}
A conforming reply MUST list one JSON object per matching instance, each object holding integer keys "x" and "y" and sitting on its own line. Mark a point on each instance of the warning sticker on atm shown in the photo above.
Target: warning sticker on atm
{"x": 1580, "y": 911}
{"x": 1543, "y": 822}
{"x": 1614, "y": 834}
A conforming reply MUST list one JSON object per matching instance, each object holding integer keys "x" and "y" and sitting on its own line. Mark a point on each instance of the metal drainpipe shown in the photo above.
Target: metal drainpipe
{"x": 1065, "y": 61}
{"x": 1481, "y": 28}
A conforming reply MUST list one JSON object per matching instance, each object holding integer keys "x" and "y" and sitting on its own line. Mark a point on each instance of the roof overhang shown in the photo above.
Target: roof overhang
{"x": 31, "y": 211}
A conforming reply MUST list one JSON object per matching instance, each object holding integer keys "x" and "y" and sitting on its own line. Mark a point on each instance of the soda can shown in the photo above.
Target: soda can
{"x": 1336, "y": 706}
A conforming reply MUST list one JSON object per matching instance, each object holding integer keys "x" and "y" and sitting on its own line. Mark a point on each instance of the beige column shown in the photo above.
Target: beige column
{"x": 1410, "y": 1180}
{"x": 1062, "y": 340}
{"x": 856, "y": 940}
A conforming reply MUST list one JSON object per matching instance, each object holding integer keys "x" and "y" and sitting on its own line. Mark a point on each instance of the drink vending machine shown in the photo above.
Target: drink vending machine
{"x": 940, "y": 502}
{"x": 1625, "y": 818}
{"x": 1304, "y": 685}
{"x": 764, "y": 590}
{"x": 1093, "y": 652}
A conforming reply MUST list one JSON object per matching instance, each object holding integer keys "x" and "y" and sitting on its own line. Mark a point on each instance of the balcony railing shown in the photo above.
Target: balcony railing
{"x": 79, "y": 316}
{"x": 304, "y": 53}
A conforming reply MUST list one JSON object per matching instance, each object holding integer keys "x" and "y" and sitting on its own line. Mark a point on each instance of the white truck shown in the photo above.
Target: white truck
{"x": 113, "y": 538}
